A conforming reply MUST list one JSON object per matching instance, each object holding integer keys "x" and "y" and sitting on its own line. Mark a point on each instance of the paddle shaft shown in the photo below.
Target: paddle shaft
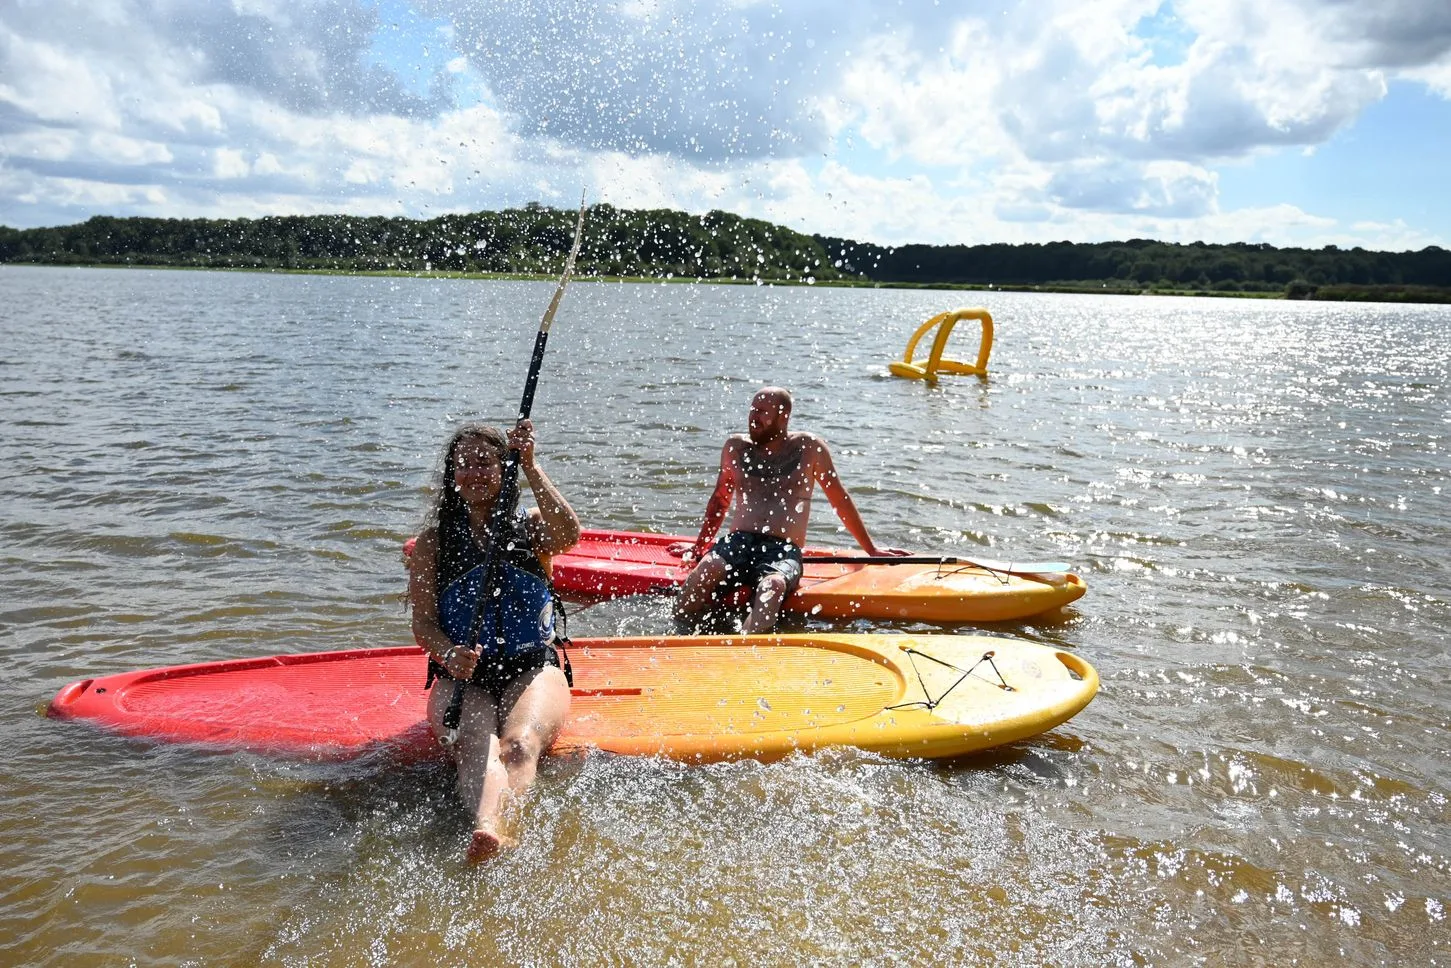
{"x": 1012, "y": 568}
{"x": 489, "y": 587}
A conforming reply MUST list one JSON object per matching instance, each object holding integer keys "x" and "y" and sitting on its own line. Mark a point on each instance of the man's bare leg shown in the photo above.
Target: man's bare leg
{"x": 766, "y": 604}
{"x": 702, "y": 586}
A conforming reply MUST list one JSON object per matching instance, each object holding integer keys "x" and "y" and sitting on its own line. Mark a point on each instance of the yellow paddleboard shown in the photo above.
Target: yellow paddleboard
{"x": 930, "y": 593}
{"x": 611, "y": 563}
{"x": 725, "y": 697}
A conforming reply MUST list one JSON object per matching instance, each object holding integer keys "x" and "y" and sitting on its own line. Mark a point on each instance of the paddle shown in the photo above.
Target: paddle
{"x": 990, "y": 564}
{"x": 509, "y": 484}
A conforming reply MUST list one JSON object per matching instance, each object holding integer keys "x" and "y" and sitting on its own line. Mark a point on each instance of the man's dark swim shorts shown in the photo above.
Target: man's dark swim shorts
{"x": 751, "y": 556}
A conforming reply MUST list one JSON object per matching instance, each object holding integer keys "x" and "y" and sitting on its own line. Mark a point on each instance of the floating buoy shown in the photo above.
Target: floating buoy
{"x": 935, "y": 362}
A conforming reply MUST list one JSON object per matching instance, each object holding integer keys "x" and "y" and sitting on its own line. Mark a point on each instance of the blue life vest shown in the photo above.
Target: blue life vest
{"x": 519, "y": 618}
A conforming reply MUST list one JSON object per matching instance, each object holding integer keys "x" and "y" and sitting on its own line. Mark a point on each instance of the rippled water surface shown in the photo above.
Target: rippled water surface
{"x": 200, "y": 466}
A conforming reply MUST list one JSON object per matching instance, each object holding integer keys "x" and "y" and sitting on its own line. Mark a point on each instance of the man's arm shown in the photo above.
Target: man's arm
{"x": 719, "y": 503}
{"x": 824, "y": 469}
{"x": 715, "y": 508}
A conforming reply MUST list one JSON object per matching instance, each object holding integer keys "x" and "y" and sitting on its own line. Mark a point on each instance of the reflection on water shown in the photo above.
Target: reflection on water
{"x": 211, "y": 465}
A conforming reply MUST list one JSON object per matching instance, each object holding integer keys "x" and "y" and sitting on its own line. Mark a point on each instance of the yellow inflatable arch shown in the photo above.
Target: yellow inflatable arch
{"x": 935, "y": 362}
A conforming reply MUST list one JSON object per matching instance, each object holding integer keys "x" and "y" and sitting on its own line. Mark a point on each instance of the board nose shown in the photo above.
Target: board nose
{"x": 60, "y": 706}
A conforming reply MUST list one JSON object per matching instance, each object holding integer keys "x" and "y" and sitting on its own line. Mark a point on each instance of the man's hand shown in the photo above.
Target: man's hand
{"x": 889, "y": 553}
{"x": 688, "y": 552}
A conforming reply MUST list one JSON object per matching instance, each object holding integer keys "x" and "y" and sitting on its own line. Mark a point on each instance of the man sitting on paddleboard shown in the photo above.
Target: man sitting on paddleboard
{"x": 517, "y": 696}
{"x": 771, "y": 472}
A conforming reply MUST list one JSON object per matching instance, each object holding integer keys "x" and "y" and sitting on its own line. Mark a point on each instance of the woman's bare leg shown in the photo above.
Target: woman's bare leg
{"x": 482, "y": 777}
{"x": 536, "y": 705}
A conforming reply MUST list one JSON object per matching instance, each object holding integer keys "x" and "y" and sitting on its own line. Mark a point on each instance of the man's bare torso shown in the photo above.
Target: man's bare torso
{"x": 773, "y": 484}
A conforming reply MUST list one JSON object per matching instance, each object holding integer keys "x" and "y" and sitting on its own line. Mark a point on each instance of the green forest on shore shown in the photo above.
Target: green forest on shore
{"x": 662, "y": 244}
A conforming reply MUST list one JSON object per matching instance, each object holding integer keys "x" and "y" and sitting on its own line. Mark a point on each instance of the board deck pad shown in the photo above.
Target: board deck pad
{"x": 691, "y": 698}
{"x": 616, "y": 563}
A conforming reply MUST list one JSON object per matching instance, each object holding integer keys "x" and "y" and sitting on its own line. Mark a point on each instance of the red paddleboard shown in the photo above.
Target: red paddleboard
{"x": 697, "y": 698}
{"x": 614, "y": 563}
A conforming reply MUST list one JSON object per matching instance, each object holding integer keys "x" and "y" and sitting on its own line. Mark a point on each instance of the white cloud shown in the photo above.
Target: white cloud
{"x": 938, "y": 111}
{"x": 1254, "y": 75}
{"x": 98, "y": 197}
{"x": 1166, "y": 188}
{"x": 229, "y": 163}
{"x": 40, "y": 144}
{"x": 362, "y": 173}
{"x": 841, "y": 202}
{"x": 1436, "y": 76}
{"x": 34, "y": 71}
{"x": 122, "y": 150}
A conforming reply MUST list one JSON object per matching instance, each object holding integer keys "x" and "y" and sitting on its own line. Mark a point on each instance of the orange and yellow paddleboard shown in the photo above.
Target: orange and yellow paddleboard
{"x": 689, "y": 698}
{"x": 612, "y": 563}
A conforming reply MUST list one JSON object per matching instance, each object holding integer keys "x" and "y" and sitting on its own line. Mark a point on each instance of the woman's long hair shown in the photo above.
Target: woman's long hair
{"x": 447, "y": 511}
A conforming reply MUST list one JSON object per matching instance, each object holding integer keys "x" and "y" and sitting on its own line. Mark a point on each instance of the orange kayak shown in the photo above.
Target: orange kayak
{"x": 690, "y": 698}
{"x": 614, "y": 563}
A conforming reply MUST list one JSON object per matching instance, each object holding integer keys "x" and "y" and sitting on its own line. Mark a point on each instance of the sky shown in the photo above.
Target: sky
{"x": 1291, "y": 122}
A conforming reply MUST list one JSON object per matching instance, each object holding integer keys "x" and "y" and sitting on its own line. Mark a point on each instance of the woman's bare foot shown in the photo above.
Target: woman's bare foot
{"x": 486, "y": 844}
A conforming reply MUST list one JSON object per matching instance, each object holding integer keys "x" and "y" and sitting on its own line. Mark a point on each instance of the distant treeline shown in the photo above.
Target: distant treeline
{"x": 1142, "y": 264}
{"x": 531, "y": 240}
{"x": 663, "y": 243}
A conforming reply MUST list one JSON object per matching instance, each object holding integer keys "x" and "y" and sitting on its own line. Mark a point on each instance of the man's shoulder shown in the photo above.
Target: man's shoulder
{"x": 736, "y": 445}
{"x": 807, "y": 440}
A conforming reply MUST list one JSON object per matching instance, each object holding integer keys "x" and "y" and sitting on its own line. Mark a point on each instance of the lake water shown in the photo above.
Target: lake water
{"x": 200, "y": 466}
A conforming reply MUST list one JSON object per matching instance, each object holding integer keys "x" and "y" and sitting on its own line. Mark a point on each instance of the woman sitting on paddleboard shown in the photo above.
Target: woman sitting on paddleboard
{"x": 517, "y": 696}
